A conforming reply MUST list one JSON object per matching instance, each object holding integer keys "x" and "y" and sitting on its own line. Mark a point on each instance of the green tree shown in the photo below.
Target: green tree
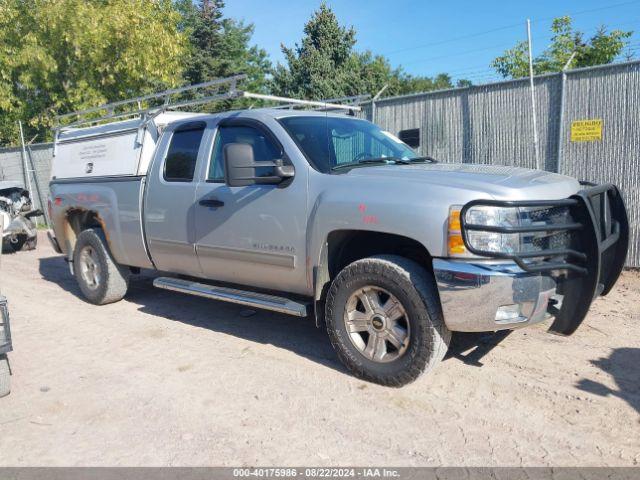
{"x": 407, "y": 83}
{"x": 464, "y": 83}
{"x": 373, "y": 72}
{"x": 326, "y": 65}
{"x": 220, "y": 47}
{"x": 322, "y": 66}
{"x": 604, "y": 47}
{"x": 66, "y": 55}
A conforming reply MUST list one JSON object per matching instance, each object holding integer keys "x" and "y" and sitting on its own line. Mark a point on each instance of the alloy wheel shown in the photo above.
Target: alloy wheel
{"x": 377, "y": 324}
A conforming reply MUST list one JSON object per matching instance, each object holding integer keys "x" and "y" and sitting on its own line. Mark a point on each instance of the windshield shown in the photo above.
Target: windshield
{"x": 330, "y": 142}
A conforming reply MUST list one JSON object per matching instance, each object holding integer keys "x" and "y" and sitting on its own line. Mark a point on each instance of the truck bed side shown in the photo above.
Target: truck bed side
{"x": 115, "y": 204}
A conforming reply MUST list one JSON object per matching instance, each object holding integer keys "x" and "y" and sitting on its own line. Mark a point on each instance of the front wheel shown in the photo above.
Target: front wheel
{"x": 384, "y": 320}
{"x": 100, "y": 278}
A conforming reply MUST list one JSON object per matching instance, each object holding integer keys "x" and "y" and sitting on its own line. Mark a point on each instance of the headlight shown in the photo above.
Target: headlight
{"x": 488, "y": 241}
{"x": 494, "y": 242}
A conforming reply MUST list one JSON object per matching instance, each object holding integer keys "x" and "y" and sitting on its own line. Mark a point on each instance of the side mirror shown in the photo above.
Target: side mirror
{"x": 240, "y": 168}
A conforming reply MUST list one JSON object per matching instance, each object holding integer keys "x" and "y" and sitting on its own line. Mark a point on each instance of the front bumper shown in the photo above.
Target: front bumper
{"x": 522, "y": 288}
{"x": 481, "y": 297}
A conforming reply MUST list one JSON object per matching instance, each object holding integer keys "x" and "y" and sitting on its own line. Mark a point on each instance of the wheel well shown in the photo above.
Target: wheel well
{"x": 76, "y": 222}
{"x": 347, "y": 246}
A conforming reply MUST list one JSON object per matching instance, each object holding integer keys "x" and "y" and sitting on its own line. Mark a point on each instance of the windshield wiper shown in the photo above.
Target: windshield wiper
{"x": 381, "y": 160}
{"x": 386, "y": 161}
{"x": 423, "y": 159}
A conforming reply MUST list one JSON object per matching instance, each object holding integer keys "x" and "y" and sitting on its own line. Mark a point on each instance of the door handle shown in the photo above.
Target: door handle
{"x": 211, "y": 202}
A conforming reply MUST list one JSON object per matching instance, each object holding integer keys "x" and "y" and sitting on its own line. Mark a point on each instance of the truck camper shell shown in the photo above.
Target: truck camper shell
{"x": 114, "y": 149}
{"x": 119, "y": 139}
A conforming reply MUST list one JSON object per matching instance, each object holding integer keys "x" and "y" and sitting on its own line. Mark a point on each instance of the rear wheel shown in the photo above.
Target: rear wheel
{"x": 100, "y": 278}
{"x": 384, "y": 319}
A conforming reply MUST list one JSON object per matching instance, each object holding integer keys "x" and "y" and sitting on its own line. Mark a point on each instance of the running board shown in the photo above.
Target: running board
{"x": 241, "y": 297}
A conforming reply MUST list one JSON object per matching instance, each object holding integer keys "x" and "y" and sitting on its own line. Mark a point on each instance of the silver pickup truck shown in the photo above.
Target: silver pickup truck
{"x": 316, "y": 213}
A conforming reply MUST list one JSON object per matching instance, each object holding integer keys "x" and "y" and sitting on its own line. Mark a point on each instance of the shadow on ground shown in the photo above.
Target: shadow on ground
{"x": 624, "y": 366}
{"x": 471, "y": 348}
{"x": 294, "y": 334}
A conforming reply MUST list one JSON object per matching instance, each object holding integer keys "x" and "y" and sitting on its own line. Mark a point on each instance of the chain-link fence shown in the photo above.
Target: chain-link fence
{"x": 493, "y": 124}
{"x": 38, "y": 171}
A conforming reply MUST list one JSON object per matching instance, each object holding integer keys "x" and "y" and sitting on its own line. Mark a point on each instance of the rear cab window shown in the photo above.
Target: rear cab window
{"x": 182, "y": 154}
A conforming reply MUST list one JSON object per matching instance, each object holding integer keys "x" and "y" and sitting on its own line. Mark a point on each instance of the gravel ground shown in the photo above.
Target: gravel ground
{"x": 163, "y": 378}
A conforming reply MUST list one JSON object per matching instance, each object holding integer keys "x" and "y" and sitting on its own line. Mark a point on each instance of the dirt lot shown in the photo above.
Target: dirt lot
{"x": 167, "y": 379}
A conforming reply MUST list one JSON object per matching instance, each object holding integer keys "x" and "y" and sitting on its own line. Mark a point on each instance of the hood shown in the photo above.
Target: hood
{"x": 501, "y": 182}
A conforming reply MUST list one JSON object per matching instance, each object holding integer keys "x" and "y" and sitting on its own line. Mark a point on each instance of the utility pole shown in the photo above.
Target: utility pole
{"x": 25, "y": 161}
{"x": 533, "y": 98}
{"x": 374, "y": 100}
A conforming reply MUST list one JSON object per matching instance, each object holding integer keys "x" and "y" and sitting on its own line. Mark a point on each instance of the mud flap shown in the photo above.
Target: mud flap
{"x": 54, "y": 241}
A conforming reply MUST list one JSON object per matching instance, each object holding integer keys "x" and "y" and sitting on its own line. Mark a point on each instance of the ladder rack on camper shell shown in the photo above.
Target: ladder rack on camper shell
{"x": 343, "y": 103}
{"x": 211, "y": 91}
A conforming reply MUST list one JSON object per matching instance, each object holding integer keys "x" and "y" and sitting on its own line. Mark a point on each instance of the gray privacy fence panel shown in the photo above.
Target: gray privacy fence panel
{"x": 11, "y": 168}
{"x": 485, "y": 124}
{"x": 498, "y": 123}
{"x": 611, "y": 94}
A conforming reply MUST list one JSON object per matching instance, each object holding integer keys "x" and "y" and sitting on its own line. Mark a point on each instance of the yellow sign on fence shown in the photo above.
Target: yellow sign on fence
{"x": 586, "y": 130}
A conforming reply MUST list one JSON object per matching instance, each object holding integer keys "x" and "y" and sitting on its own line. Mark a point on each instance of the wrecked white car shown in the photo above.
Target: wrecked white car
{"x": 16, "y": 210}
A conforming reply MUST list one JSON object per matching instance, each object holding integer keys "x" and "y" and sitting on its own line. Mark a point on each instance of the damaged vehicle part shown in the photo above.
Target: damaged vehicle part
{"x": 17, "y": 213}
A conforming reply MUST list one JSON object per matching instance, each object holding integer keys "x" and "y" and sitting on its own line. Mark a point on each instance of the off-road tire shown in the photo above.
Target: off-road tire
{"x": 114, "y": 278}
{"x": 416, "y": 290}
{"x": 5, "y": 376}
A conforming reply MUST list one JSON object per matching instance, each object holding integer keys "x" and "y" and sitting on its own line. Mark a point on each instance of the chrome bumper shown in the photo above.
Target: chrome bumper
{"x": 481, "y": 297}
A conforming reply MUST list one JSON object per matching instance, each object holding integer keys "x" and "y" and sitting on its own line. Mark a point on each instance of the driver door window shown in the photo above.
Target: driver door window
{"x": 264, "y": 150}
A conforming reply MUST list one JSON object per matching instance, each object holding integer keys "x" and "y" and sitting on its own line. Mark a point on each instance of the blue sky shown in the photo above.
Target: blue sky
{"x": 425, "y": 37}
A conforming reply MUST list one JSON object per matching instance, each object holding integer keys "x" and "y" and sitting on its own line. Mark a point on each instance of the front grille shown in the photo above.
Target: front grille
{"x": 552, "y": 241}
{"x": 550, "y": 214}
{"x": 547, "y": 240}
